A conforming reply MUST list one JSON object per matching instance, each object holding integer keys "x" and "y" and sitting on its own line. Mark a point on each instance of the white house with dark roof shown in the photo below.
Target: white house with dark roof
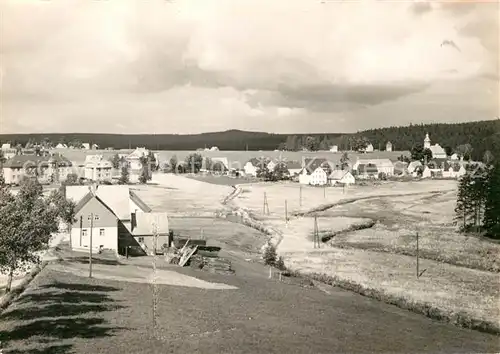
{"x": 341, "y": 177}
{"x": 315, "y": 172}
{"x": 382, "y": 165}
{"x": 119, "y": 222}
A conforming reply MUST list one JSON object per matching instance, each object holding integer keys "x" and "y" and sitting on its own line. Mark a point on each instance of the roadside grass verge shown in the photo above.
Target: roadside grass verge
{"x": 461, "y": 296}
{"x": 460, "y": 318}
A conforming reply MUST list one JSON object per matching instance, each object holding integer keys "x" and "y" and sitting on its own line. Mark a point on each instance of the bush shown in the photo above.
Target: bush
{"x": 270, "y": 255}
{"x": 382, "y": 176}
{"x": 280, "y": 264}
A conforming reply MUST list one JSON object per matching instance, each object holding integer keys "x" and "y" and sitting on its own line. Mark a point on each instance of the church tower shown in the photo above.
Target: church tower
{"x": 427, "y": 141}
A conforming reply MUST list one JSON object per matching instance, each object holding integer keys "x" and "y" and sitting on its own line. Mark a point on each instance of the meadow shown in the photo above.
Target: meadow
{"x": 372, "y": 242}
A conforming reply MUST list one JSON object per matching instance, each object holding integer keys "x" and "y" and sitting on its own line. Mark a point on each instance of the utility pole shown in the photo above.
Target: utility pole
{"x": 91, "y": 219}
{"x": 300, "y": 195}
{"x": 266, "y": 206}
{"x": 316, "y": 233}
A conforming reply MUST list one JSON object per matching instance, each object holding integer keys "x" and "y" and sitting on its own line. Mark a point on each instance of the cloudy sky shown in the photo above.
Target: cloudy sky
{"x": 189, "y": 66}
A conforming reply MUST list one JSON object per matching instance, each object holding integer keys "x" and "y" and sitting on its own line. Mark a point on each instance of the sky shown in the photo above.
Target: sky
{"x": 284, "y": 66}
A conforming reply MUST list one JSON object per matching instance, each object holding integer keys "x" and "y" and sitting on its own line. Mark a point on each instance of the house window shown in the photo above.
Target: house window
{"x": 84, "y": 232}
{"x": 101, "y": 232}
{"x": 96, "y": 217}
{"x": 140, "y": 239}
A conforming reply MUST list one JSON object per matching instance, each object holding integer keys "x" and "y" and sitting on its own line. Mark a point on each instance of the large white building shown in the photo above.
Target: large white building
{"x": 437, "y": 151}
{"x": 47, "y": 169}
{"x": 134, "y": 158}
{"x": 97, "y": 168}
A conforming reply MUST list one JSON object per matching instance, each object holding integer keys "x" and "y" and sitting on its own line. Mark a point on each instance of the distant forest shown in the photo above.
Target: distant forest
{"x": 232, "y": 140}
{"x": 481, "y": 135}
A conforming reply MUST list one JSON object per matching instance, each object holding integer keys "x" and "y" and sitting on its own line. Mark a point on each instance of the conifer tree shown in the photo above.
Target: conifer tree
{"x": 465, "y": 208}
{"x": 492, "y": 208}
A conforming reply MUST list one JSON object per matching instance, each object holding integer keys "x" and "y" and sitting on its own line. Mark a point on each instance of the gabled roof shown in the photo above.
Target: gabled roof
{"x": 312, "y": 164}
{"x": 338, "y": 174}
{"x": 138, "y": 153}
{"x": 377, "y": 162}
{"x": 437, "y": 150}
{"x": 259, "y": 161}
{"x": 139, "y": 202}
{"x": 87, "y": 198}
{"x": 117, "y": 198}
{"x": 293, "y": 165}
{"x": 20, "y": 161}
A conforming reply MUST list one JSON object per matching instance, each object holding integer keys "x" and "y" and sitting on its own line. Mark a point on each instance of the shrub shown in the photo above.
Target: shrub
{"x": 280, "y": 264}
{"x": 270, "y": 255}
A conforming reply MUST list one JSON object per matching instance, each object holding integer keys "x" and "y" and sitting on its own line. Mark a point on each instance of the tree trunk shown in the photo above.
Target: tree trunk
{"x": 69, "y": 231}
{"x": 9, "y": 280}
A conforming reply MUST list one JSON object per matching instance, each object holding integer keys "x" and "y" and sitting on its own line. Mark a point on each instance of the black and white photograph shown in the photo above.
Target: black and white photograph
{"x": 249, "y": 176}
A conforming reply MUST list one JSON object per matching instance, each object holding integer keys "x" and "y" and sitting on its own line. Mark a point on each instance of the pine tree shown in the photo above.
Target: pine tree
{"x": 465, "y": 208}
{"x": 491, "y": 219}
{"x": 270, "y": 255}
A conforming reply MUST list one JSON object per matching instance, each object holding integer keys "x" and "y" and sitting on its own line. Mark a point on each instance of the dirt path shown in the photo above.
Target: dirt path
{"x": 136, "y": 274}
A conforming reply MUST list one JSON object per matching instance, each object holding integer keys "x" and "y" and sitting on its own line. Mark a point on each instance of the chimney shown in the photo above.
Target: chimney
{"x": 93, "y": 188}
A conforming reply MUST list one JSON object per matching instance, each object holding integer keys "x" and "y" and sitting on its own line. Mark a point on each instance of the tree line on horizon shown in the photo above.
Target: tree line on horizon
{"x": 481, "y": 135}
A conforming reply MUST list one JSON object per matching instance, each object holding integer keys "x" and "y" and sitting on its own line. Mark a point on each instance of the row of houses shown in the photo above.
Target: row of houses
{"x": 320, "y": 171}
{"x": 54, "y": 167}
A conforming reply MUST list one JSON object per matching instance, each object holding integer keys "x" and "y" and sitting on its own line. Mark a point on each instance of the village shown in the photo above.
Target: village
{"x": 258, "y": 220}
{"x": 318, "y": 169}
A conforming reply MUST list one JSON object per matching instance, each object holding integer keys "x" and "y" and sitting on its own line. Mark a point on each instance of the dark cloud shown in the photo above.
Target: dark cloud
{"x": 420, "y": 8}
{"x": 332, "y": 98}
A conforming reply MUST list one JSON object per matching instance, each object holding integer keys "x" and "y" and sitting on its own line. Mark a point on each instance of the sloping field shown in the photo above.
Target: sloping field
{"x": 307, "y": 197}
{"x": 401, "y": 209}
{"x": 399, "y": 219}
{"x": 180, "y": 196}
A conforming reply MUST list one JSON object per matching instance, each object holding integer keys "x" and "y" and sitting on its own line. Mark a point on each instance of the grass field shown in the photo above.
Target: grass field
{"x": 181, "y": 196}
{"x": 219, "y": 232}
{"x": 221, "y": 180}
{"x": 63, "y": 313}
{"x": 399, "y": 220}
{"x": 376, "y": 257}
